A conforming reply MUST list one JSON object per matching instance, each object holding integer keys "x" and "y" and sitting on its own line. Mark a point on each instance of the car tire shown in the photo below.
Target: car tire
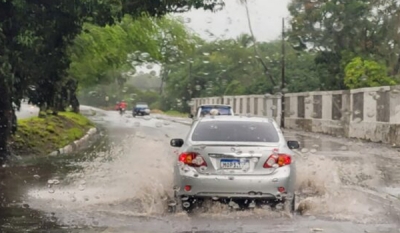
{"x": 172, "y": 206}
{"x": 188, "y": 204}
{"x": 243, "y": 204}
{"x": 184, "y": 206}
{"x": 290, "y": 204}
{"x": 178, "y": 205}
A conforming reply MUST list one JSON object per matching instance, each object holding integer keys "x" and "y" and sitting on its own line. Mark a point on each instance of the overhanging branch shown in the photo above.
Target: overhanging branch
{"x": 266, "y": 70}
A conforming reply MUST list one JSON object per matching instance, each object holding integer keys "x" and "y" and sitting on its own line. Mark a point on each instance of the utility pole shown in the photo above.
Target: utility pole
{"x": 190, "y": 85}
{"x": 283, "y": 76}
{"x": 190, "y": 80}
{"x": 163, "y": 75}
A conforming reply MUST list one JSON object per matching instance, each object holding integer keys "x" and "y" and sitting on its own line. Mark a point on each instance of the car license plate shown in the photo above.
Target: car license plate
{"x": 232, "y": 164}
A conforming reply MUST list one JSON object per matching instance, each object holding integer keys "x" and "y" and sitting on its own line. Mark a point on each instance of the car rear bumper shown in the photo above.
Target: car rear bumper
{"x": 141, "y": 113}
{"x": 236, "y": 186}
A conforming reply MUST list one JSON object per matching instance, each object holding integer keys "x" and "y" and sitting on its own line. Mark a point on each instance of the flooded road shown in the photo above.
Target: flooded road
{"x": 26, "y": 110}
{"x": 122, "y": 183}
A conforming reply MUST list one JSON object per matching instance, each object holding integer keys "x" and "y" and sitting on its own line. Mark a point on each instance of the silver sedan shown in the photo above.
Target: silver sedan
{"x": 240, "y": 160}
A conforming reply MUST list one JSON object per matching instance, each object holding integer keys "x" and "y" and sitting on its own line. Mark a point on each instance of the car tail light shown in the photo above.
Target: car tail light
{"x": 279, "y": 159}
{"x": 281, "y": 189}
{"x": 192, "y": 159}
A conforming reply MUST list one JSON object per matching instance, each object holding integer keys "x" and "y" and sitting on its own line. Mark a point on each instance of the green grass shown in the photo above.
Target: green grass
{"x": 176, "y": 114}
{"x": 42, "y": 135}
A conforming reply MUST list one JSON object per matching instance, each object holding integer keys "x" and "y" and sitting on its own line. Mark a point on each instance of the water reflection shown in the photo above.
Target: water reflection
{"x": 34, "y": 172}
{"x": 314, "y": 145}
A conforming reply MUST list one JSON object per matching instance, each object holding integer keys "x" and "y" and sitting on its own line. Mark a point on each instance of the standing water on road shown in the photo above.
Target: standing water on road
{"x": 126, "y": 186}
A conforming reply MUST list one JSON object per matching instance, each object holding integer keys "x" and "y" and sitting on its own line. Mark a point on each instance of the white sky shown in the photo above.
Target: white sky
{"x": 266, "y": 17}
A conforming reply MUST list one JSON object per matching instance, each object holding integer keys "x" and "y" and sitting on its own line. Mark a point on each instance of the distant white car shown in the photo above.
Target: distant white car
{"x": 212, "y": 109}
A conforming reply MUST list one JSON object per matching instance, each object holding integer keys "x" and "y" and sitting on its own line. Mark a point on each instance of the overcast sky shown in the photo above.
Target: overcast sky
{"x": 266, "y": 17}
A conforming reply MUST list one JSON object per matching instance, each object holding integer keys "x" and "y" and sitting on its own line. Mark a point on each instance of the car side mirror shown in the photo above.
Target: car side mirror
{"x": 293, "y": 144}
{"x": 177, "y": 142}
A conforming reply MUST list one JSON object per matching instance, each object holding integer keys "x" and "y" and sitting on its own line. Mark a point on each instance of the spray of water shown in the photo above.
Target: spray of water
{"x": 138, "y": 180}
{"x": 326, "y": 185}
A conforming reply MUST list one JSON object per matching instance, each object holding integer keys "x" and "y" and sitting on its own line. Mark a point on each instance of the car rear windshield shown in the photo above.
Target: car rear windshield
{"x": 142, "y": 106}
{"x": 221, "y": 109}
{"x": 235, "y": 131}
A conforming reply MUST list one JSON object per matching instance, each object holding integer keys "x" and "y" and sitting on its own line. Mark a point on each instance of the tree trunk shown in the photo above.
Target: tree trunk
{"x": 72, "y": 87}
{"x": 75, "y": 104}
{"x": 6, "y": 119}
{"x": 396, "y": 67}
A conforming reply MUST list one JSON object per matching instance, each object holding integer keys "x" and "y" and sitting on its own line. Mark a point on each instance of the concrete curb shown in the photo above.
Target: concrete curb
{"x": 183, "y": 123}
{"x": 176, "y": 120}
{"x": 75, "y": 145}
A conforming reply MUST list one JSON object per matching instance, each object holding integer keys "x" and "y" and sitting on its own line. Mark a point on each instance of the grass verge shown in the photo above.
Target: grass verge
{"x": 42, "y": 135}
{"x": 170, "y": 113}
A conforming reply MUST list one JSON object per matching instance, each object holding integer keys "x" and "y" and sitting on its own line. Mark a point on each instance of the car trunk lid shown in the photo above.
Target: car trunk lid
{"x": 235, "y": 158}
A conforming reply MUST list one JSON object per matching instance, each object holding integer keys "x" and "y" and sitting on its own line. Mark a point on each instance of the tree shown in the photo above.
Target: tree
{"x": 336, "y": 30}
{"x": 366, "y": 73}
{"x": 229, "y": 67}
{"x": 35, "y": 35}
{"x": 99, "y": 52}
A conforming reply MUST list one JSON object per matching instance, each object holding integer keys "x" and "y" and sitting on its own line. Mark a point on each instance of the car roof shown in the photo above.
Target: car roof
{"x": 215, "y": 105}
{"x": 236, "y": 118}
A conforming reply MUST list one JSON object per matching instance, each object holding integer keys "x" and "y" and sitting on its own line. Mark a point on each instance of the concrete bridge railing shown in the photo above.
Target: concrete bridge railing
{"x": 366, "y": 113}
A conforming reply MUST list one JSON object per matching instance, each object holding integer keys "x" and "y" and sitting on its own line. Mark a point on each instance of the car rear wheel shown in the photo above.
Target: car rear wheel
{"x": 239, "y": 204}
{"x": 181, "y": 203}
{"x": 187, "y": 204}
{"x": 290, "y": 204}
{"x": 172, "y": 206}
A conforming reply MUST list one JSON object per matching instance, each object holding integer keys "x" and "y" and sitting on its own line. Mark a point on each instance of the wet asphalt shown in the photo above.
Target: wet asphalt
{"x": 121, "y": 184}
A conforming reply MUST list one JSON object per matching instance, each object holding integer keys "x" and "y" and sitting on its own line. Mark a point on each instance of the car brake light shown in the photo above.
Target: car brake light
{"x": 281, "y": 189}
{"x": 192, "y": 159}
{"x": 279, "y": 159}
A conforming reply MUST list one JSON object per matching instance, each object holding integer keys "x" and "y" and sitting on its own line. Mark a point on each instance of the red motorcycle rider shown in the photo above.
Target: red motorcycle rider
{"x": 122, "y": 106}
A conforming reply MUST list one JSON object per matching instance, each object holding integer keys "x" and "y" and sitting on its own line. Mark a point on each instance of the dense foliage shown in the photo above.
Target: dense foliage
{"x": 100, "y": 53}
{"x": 224, "y": 67}
{"x": 35, "y": 36}
{"x": 331, "y": 45}
{"x": 338, "y": 31}
{"x": 53, "y": 49}
{"x": 230, "y": 67}
{"x": 365, "y": 73}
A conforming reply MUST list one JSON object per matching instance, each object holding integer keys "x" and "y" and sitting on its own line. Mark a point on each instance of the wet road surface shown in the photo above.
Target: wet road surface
{"x": 122, "y": 183}
{"x": 27, "y": 111}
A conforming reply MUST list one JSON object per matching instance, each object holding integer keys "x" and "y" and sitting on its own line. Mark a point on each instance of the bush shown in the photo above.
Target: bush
{"x": 365, "y": 73}
{"x": 42, "y": 135}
